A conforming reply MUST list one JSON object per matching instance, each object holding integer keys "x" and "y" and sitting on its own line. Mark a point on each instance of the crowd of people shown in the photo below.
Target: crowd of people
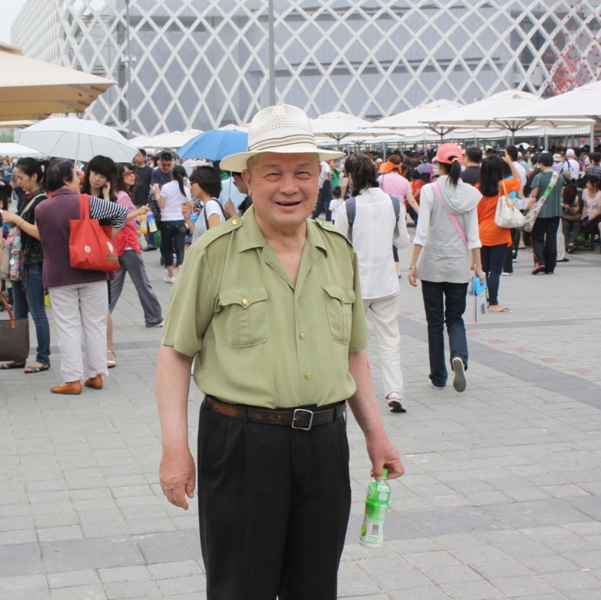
{"x": 169, "y": 203}
{"x": 124, "y": 197}
{"x": 268, "y": 310}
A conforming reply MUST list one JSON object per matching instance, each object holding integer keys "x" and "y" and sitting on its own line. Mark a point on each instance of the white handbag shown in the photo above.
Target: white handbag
{"x": 508, "y": 215}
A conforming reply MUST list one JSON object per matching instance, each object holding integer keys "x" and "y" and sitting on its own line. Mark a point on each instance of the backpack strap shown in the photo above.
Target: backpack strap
{"x": 351, "y": 211}
{"x": 396, "y": 204}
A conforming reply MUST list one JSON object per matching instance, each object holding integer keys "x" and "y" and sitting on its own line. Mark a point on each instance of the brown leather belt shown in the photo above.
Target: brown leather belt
{"x": 296, "y": 418}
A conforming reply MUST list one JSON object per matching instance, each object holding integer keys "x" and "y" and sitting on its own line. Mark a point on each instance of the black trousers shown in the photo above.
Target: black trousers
{"x": 544, "y": 242}
{"x": 274, "y": 504}
{"x": 323, "y": 201}
{"x": 444, "y": 303}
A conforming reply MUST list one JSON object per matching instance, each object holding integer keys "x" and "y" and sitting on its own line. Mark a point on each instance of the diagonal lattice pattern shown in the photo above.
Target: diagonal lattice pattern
{"x": 204, "y": 64}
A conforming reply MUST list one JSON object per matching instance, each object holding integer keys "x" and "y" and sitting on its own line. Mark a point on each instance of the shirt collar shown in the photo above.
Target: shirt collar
{"x": 251, "y": 236}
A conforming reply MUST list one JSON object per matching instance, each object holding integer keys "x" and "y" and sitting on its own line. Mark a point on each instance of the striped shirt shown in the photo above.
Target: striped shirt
{"x": 108, "y": 213}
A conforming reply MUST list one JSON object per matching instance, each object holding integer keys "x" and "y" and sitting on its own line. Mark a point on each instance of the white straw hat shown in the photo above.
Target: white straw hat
{"x": 283, "y": 129}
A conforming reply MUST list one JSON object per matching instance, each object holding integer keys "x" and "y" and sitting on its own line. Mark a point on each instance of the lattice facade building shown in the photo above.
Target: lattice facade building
{"x": 205, "y": 63}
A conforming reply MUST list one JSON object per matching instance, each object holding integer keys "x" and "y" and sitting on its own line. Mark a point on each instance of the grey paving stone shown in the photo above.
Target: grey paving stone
{"x": 453, "y": 521}
{"x": 131, "y": 589}
{"x": 83, "y": 554}
{"x": 80, "y": 592}
{"x": 589, "y": 505}
{"x": 173, "y": 546}
{"x": 538, "y": 513}
{"x": 20, "y": 559}
{"x": 28, "y": 587}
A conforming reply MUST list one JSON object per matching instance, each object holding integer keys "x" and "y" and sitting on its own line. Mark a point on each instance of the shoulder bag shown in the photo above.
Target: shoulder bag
{"x": 533, "y": 213}
{"x": 14, "y": 336}
{"x": 14, "y": 248}
{"x": 90, "y": 248}
{"x": 508, "y": 215}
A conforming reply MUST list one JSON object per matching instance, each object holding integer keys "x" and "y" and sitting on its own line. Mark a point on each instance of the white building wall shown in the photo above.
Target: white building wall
{"x": 204, "y": 63}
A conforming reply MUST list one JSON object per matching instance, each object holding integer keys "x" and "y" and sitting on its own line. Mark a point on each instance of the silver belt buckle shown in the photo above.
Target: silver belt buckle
{"x": 301, "y": 410}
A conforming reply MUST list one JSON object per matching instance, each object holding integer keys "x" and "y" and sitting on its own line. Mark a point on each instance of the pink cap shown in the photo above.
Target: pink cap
{"x": 447, "y": 153}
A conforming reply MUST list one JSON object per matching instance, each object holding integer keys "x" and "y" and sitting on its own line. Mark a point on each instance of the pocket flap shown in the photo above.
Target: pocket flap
{"x": 343, "y": 294}
{"x": 242, "y": 296}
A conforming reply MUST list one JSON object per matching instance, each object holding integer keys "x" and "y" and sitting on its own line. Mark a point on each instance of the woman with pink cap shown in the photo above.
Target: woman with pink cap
{"x": 446, "y": 239}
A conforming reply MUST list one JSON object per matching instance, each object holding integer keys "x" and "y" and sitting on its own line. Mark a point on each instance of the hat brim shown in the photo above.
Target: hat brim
{"x": 237, "y": 162}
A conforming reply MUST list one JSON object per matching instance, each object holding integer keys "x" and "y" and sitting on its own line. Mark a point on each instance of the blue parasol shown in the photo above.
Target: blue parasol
{"x": 215, "y": 144}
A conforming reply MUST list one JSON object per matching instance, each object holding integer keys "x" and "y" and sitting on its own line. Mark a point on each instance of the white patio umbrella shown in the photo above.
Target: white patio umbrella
{"x": 77, "y": 139}
{"x": 174, "y": 139}
{"x": 496, "y": 111}
{"x": 427, "y": 116}
{"x": 34, "y": 89}
{"x": 579, "y": 103}
{"x": 339, "y": 125}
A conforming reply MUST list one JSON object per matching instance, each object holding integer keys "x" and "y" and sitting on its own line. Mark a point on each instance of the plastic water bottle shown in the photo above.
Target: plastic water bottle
{"x": 143, "y": 225}
{"x": 376, "y": 507}
{"x": 152, "y": 226}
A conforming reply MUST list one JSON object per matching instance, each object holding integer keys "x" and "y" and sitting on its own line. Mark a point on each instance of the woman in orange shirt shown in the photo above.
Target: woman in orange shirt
{"x": 495, "y": 240}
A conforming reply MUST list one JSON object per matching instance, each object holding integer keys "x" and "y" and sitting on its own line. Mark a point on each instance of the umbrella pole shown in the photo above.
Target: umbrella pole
{"x": 592, "y": 138}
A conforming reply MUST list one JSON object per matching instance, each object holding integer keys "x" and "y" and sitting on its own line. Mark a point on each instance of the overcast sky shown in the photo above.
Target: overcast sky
{"x": 10, "y": 9}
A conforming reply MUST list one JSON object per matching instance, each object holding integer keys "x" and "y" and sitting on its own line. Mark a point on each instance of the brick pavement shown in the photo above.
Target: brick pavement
{"x": 502, "y": 496}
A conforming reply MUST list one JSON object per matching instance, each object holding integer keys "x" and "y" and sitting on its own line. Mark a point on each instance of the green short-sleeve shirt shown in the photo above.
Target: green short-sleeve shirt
{"x": 552, "y": 205}
{"x": 263, "y": 341}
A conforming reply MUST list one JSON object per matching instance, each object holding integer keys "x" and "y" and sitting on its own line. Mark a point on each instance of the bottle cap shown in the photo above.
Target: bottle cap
{"x": 384, "y": 474}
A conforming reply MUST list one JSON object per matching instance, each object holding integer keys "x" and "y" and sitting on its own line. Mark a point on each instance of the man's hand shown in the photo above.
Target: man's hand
{"x": 384, "y": 456}
{"x": 178, "y": 476}
{"x": 412, "y": 277}
{"x": 230, "y": 210}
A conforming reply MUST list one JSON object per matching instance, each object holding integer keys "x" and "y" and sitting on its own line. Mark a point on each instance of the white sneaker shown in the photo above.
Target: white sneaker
{"x": 170, "y": 279}
{"x": 395, "y": 402}
{"x": 436, "y": 387}
{"x": 459, "y": 381}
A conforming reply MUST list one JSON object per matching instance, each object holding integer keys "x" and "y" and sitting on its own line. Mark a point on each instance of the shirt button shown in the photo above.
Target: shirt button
{"x": 302, "y": 336}
{"x": 343, "y": 300}
{"x": 245, "y": 302}
{"x": 235, "y": 222}
{"x": 308, "y": 375}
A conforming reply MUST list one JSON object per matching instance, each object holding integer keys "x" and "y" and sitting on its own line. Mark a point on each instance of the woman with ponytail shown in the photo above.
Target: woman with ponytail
{"x": 29, "y": 290}
{"x": 173, "y": 226}
{"x": 445, "y": 237}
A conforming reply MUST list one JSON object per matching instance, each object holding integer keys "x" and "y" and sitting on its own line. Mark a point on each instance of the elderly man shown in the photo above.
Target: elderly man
{"x": 271, "y": 305}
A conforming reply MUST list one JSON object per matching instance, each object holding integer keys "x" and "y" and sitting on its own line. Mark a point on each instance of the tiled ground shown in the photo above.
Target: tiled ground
{"x": 502, "y": 496}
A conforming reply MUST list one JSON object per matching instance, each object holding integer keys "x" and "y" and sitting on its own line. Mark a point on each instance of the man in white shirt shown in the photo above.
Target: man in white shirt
{"x": 514, "y": 154}
{"x": 573, "y": 164}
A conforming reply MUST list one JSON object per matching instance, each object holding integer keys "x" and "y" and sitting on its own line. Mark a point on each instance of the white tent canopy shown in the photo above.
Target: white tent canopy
{"x": 582, "y": 102}
{"x": 34, "y": 89}
{"x": 496, "y": 111}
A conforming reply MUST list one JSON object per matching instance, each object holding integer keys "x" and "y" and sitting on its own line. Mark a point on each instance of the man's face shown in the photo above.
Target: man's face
{"x": 165, "y": 165}
{"x": 284, "y": 188}
{"x": 139, "y": 159}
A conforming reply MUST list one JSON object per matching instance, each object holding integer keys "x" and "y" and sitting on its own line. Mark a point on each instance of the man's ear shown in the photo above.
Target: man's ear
{"x": 247, "y": 178}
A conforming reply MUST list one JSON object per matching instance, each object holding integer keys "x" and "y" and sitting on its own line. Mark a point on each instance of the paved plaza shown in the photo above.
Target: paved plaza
{"x": 501, "y": 499}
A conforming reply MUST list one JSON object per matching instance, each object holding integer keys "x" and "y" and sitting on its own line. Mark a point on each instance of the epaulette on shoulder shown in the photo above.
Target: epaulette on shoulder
{"x": 208, "y": 237}
{"x": 331, "y": 228}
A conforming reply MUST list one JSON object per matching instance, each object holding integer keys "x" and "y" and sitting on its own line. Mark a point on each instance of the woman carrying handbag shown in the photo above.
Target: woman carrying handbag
{"x": 496, "y": 241}
{"x": 79, "y": 297}
{"x": 28, "y": 290}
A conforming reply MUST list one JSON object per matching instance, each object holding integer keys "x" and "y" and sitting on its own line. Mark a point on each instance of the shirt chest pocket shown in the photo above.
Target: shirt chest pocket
{"x": 339, "y": 306}
{"x": 244, "y": 310}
